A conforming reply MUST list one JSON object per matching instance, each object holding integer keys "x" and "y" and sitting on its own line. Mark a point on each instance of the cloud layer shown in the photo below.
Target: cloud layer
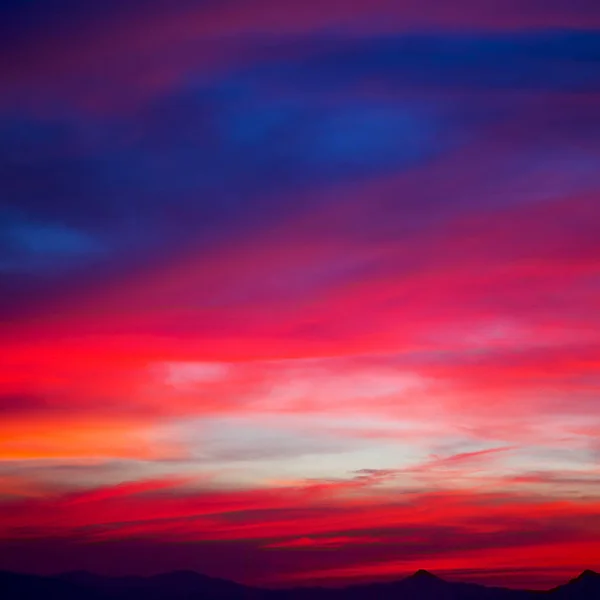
{"x": 305, "y": 288}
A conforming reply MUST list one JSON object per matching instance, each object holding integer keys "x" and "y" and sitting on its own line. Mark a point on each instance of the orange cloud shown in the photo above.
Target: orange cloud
{"x": 34, "y": 438}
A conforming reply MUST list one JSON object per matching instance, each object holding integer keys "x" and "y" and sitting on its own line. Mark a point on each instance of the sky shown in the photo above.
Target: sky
{"x": 300, "y": 293}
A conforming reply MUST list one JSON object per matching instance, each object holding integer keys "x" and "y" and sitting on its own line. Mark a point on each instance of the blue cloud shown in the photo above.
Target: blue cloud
{"x": 29, "y": 247}
{"x": 208, "y": 161}
{"x": 200, "y": 162}
{"x": 49, "y": 240}
{"x": 547, "y": 60}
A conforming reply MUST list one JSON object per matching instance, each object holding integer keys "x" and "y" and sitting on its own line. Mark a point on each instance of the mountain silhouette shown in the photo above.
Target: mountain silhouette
{"x": 586, "y": 585}
{"x": 423, "y": 575}
{"x": 189, "y": 585}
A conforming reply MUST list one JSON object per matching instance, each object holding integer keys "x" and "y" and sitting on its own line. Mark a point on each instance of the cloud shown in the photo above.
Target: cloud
{"x": 66, "y": 437}
{"x": 323, "y": 542}
{"x": 309, "y": 129}
{"x": 337, "y": 266}
{"x": 174, "y": 30}
{"x": 440, "y": 529}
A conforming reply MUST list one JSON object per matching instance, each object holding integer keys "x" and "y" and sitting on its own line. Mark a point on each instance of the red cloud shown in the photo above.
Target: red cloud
{"x": 375, "y": 536}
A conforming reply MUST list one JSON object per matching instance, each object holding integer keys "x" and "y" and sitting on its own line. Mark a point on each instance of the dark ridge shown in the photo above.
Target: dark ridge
{"x": 586, "y": 586}
{"x": 587, "y": 574}
{"x": 190, "y": 585}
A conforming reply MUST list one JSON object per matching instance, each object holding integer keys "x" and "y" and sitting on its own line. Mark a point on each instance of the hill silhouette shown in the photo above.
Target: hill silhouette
{"x": 189, "y": 585}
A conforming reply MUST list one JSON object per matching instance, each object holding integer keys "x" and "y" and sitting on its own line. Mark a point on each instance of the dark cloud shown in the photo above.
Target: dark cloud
{"x": 205, "y": 159}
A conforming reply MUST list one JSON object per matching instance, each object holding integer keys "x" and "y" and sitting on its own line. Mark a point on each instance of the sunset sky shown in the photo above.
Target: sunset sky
{"x": 300, "y": 292}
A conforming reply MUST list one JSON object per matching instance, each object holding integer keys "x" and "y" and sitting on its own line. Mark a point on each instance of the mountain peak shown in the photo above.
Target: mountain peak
{"x": 587, "y": 574}
{"x": 422, "y": 574}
